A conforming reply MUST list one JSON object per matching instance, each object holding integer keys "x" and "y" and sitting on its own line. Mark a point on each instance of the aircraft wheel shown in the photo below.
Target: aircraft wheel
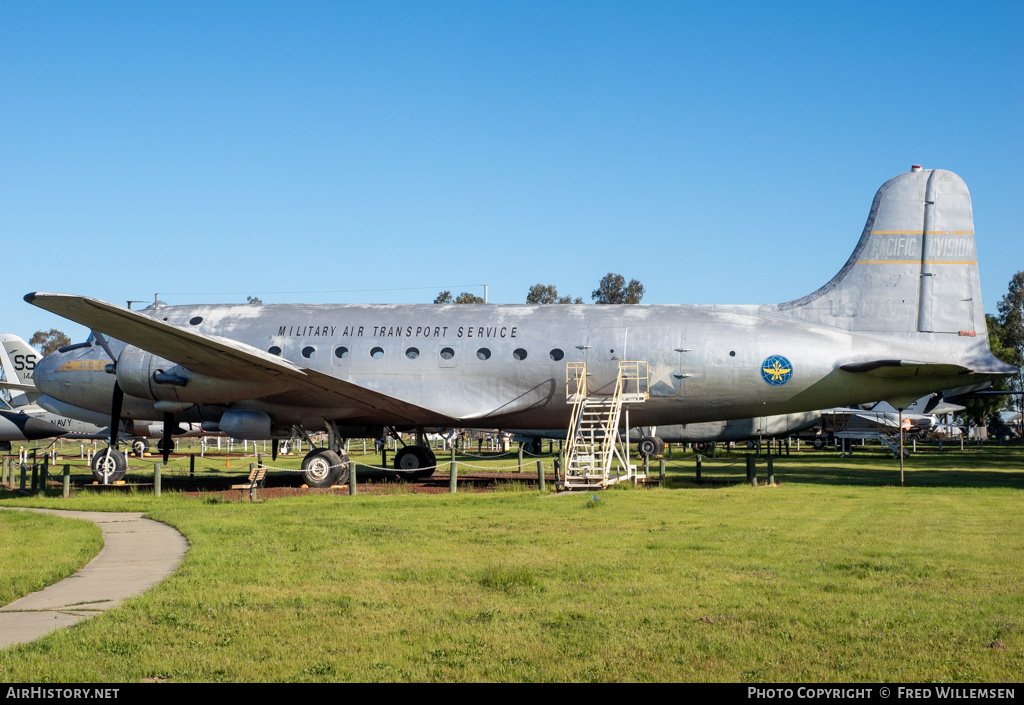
{"x": 323, "y": 467}
{"x": 108, "y": 466}
{"x": 818, "y": 442}
{"x": 651, "y": 446}
{"x": 532, "y": 447}
{"x": 415, "y": 462}
{"x": 702, "y": 446}
{"x": 139, "y": 447}
{"x": 751, "y": 445}
{"x": 160, "y": 445}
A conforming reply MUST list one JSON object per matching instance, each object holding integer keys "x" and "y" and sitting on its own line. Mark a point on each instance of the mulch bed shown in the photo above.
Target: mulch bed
{"x": 376, "y": 483}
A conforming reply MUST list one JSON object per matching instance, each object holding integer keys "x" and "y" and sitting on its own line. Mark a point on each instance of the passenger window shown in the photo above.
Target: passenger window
{"x": 340, "y": 352}
{"x": 308, "y": 351}
{"x": 447, "y": 353}
{"x": 519, "y": 354}
{"x": 556, "y": 354}
{"x": 377, "y": 353}
{"x": 274, "y": 350}
{"x": 483, "y": 354}
{"x": 412, "y": 353}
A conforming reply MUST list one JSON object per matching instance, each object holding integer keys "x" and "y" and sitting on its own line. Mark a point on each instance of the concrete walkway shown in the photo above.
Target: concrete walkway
{"x": 137, "y": 554}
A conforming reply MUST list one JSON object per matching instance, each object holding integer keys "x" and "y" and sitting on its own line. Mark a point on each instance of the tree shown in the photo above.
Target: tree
{"x": 253, "y": 300}
{"x": 548, "y": 294}
{"x": 48, "y": 341}
{"x": 981, "y": 411}
{"x": 1011, "y": 321}
{"x": 614, "y": 290}
{"x": 445, "y": 297}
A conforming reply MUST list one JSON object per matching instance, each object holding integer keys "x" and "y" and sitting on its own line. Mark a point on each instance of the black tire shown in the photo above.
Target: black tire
{"x": 702, "y": 446}
{"x": 160, "y": 445}
{"x": 532, "y": 447}
{"x": 651, "y": 446}
{"x": 323, "y": 467}
{"x": 140, "y": 446}
{"x": 415, "y": 462}
{"x": 751, "y": 445}
{"x": 818, "y": 442}
{"x": 108, "y": 466}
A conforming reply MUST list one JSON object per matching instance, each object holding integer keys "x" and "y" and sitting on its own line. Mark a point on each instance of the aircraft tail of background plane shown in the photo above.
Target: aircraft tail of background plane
{"x": 915, "y": 268}
{"x": 19, "y": 362}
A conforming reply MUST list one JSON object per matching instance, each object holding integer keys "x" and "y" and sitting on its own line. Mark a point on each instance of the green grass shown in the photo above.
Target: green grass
{"x": 38, "y": 550}
{"x": 838, "y": 574}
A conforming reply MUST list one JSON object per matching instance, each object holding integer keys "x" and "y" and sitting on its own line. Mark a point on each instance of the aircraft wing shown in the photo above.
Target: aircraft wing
{"x": 221, "y": 357}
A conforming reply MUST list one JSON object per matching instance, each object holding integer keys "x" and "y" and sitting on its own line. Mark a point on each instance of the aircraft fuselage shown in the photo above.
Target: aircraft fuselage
{"x": 505, "y": 364}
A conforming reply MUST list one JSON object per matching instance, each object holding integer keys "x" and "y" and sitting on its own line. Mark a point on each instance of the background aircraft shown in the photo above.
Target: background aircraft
{"x": 900, "y": 319}
{"x": 27, "y": 417}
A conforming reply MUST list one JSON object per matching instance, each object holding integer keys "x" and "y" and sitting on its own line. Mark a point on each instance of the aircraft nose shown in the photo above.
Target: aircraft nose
{"x": 46, "y": 372}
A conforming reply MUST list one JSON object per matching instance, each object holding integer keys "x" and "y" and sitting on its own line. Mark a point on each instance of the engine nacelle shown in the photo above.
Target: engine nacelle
{"x": 245, "y": 424}
{"x": 144, "y": 375}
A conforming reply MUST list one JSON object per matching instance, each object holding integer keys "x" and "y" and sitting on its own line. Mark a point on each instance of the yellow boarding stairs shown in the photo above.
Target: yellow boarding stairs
{"x": 593, "y": 438}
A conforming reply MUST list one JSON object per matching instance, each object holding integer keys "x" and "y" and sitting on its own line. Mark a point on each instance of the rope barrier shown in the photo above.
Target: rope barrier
{"x": 704, "y": 457}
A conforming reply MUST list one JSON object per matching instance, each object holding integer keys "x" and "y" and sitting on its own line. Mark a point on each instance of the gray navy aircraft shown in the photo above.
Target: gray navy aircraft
{"x": 27, "y": 420}
{"x": 902, "y": 318}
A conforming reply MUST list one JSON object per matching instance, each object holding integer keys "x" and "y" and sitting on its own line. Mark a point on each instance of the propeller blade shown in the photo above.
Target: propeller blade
{"x": 116, "y": 402}
{"x": 168, "y": 438}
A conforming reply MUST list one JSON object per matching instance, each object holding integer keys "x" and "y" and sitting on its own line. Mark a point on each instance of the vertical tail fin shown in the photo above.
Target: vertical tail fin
{"x": 19, "y": 363}
{"x": 915, "y": 267}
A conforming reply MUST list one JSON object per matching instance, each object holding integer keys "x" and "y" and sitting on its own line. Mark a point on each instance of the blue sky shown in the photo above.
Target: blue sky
{"x": 383, "y": 151}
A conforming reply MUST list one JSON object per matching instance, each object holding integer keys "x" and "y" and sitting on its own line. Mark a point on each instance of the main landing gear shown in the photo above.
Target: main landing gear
{"x": 415, "y": 462}
{"x": 109, "y": 466}
{"x": 323, "y": 467}
{"x": 140, "y": 446}
{"x": 651, "y": 446}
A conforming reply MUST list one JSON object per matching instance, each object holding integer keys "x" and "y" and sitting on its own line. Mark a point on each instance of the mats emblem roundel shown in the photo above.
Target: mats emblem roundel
{"x": 776, "y": 370}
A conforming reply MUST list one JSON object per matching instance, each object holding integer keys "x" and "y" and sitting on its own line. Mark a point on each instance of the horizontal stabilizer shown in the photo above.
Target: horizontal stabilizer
{"x": 18, "y": 387}
{"x": 903, "y": 368}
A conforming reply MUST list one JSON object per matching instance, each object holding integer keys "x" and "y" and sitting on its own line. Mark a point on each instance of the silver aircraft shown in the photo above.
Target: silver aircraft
{"x": 920, "y": 417}
{"x": 902, "y": 318}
